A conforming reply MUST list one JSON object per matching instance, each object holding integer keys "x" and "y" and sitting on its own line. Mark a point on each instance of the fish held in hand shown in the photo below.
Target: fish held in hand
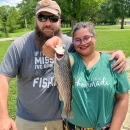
{"x": 64, "y": 79}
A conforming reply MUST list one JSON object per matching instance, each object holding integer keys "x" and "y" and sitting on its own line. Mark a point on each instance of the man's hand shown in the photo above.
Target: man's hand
{"x": 121, "y": 61}
{"x": 48, "y": 47}
{"x": 7, "y": 124}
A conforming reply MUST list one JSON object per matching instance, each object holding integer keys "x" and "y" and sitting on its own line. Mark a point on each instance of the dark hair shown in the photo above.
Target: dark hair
{"x": 86, "y": 25}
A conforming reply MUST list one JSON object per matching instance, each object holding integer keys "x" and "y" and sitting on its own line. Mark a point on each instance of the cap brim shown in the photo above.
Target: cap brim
{"x": 48, "y": 10}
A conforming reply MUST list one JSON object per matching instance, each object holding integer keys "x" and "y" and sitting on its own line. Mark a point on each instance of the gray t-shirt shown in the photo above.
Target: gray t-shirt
{"x": 38, "y": 97}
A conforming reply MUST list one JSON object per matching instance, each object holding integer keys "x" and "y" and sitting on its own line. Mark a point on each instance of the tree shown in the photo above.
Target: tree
{"x": 72, "y": 10}
{"x": 27, "y": 12}
{"x": 12, "y": 20}
{"x": 121, "y": 9}
{"x": 8, "y": 19}
{"x": 106, "y": 15}
{"x": 77, "y": 10}
{"x": 4, "y": 12}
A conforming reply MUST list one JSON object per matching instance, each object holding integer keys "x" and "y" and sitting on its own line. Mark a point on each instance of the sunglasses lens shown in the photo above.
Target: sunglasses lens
{"x": 41, "y": 18}
{"x": 54, "y": 19}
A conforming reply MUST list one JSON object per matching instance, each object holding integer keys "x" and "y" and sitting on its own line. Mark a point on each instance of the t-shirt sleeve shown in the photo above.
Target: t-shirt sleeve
{"x": 68, "y": 42}
{"x": 10, "y": 64}
{"x": 123, "y": 84}
{"x": 119, "y": 80}
{"x": 71, "y": 48}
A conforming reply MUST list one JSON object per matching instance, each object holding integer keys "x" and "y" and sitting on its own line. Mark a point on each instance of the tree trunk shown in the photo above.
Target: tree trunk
{"x": 73, "y": 22}
{"x": 5, "y": 30}
{"x": 26, "y": 26}
{"x": 122, "y": 22}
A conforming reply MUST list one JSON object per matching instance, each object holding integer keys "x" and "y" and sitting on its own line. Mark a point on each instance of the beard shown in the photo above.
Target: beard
{"x": 42, "y": 37}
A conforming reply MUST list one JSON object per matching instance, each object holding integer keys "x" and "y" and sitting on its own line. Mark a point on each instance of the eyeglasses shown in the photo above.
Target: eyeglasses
{"x": 86, "y": 39}
{"x": 43, "y": 18}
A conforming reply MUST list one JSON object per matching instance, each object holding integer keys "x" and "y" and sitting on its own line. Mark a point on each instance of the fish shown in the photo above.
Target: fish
{"x": 64, "y": 79}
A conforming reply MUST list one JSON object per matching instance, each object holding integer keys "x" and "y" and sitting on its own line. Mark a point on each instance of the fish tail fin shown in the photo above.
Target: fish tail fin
{"x": 64, "y": 113}
{"x": 70, "y": 114}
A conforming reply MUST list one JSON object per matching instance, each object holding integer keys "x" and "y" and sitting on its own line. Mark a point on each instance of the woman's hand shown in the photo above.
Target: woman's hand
{"x": 121, "y": 61}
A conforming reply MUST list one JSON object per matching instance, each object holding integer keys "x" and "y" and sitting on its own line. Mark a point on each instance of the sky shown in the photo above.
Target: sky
{"x": 9, "y": 2}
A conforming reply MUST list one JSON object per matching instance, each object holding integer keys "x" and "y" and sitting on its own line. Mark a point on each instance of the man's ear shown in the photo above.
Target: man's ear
{"x": 61, "y": 21}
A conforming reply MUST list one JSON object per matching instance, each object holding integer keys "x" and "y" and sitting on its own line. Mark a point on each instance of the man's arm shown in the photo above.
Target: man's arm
{"x": 6, "y": 123}
{"x": 120, "y": 110}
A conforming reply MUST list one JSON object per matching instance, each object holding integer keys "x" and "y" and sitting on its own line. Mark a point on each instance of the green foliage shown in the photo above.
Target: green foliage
{"x": 97, "y": 11}
{"x": 27, "y": 13}
{"x": 113, "y": 10}
{"x": 9, "y": 19}
{"x": 1, "y": 34}
{"x": 121, "y": 7}
{"x": 77, "y": 10}
{"x": 12, "y": 21}
{"x": 105, "y": 15}
{"x": 4, "y": 12}
{"x": 22, "y": 16}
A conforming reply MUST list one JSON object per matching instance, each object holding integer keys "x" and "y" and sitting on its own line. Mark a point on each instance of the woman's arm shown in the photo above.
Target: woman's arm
{"x": 120, "y": 110}
{"x": 71, "y": 61}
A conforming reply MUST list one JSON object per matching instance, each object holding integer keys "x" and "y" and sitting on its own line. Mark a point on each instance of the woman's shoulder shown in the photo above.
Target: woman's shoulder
{"x": 105, "y": 55}
{"x": 105, "y": 58}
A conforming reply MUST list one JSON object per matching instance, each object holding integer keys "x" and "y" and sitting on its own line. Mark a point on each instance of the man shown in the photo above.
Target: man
{"x": 38, "y": 105}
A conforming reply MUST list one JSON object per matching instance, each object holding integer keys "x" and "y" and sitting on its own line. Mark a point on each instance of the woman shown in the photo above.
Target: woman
{"x": 100, "y": 95}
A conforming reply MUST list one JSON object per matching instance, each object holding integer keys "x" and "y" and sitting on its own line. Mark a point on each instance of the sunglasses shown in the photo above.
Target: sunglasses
{"x": 86, "y": 39}
{"x": 43, "y": 18}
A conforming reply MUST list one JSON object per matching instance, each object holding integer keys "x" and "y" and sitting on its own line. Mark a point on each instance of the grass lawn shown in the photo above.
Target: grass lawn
{"x": 128, "y": 71}
{"x": 113, "y": 40}
{"x": 108, "y": 38}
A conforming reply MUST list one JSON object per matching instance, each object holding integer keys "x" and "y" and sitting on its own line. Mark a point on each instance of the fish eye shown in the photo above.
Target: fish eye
{"x": 64, "y": 46}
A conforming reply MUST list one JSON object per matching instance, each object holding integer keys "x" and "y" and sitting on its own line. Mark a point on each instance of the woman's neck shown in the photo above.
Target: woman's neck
{"x": 91, "y": 60}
